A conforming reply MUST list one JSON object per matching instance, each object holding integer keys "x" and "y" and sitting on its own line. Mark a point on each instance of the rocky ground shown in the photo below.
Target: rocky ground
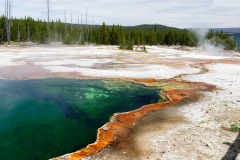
{"x": 197, "y": 128}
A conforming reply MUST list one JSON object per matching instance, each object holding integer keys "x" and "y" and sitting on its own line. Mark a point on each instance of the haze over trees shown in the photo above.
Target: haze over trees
{"x": 221, "y": 38}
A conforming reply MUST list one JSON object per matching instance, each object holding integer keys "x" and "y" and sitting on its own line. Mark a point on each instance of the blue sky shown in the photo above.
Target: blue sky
{"x": 176, "y": 13}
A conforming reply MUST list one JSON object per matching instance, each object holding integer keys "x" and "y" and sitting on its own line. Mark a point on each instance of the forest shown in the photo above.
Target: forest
{"x": 41, "y": 32}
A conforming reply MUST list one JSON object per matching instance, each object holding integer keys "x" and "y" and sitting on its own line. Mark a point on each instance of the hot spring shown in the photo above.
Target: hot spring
{"x": 45, "y": 118}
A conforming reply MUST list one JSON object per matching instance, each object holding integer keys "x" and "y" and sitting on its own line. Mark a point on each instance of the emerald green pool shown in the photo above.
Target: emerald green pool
{"x": 42, "y": 119}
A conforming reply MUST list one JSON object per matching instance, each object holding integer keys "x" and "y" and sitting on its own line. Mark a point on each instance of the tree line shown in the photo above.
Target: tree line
{"x": 42, "y": 32}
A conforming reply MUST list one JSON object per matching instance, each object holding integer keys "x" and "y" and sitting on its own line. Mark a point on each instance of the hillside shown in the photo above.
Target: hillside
{"x": 231, "y": 30}
{"x": 158, "y": 27}
{"x": 151, "y": 27}
{"x": 228, "y": 30}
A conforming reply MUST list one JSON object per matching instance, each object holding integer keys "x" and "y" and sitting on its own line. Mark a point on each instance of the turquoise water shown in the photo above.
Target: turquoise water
{"x": 41, "y": 119}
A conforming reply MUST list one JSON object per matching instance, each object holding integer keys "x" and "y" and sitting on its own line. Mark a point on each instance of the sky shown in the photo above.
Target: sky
{"x": 174, "y": 13}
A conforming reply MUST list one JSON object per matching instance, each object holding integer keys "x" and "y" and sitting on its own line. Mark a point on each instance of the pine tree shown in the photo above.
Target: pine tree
{"x": 45, "y": 33}
{"x": 3, "y": 31}
{"x": 152, "y": 39}
{"x": 138, "y": 41}
{"x": 104, "y": 34}
{"x": 121, "y": 39}
{"x": 114, "y": 36}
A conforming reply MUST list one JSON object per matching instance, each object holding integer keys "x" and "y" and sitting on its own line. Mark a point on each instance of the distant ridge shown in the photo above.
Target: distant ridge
{"x": 142, "y": 26}
{"x": 151, "y": 27}
{"x": 229, "y": 30}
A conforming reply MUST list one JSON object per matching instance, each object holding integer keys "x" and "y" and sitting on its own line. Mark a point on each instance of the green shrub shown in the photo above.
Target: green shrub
{"x": 68, "y": 40}
{"x": 234, "y": 128}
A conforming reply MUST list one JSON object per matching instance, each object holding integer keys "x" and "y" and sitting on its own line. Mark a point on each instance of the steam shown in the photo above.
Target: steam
{"x": 206, "y": 44}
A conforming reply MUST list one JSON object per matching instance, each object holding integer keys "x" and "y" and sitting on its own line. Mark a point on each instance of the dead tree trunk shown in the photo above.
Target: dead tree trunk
{"x": 86, "y": 26}
{"x": 28, "y": 34}
{"x": 48, "y": 20}
{"x": 19, "y": 34}
{"x": 65, "y": 17}
{"x": 71, "y": 23}
{"x": 48, "y": 10}
{"x": 8, "y": 5}
{"x": 79, "y": 32}
{"x": 55, "y": 32}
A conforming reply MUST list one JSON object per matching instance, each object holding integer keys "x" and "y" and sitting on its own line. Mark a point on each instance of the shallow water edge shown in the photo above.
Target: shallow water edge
{"x": 118, "y": 127}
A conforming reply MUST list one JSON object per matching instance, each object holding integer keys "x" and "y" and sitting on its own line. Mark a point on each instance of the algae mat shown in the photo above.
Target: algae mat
{"x": 44, "y": 118}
